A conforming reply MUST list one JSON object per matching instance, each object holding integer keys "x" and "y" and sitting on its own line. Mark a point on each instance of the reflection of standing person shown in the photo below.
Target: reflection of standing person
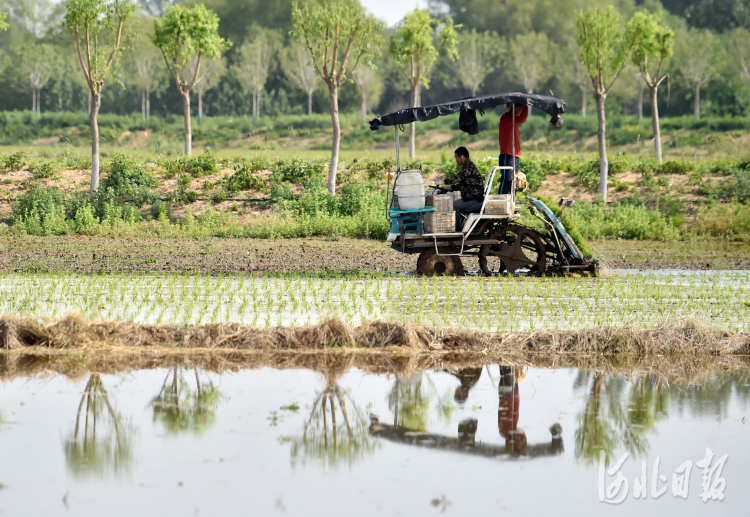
{"x": 510, "y": 142}
{"x": 508, "y": 410}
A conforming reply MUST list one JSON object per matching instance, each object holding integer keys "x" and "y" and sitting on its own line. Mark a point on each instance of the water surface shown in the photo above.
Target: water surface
{"x": 266, "y": 442}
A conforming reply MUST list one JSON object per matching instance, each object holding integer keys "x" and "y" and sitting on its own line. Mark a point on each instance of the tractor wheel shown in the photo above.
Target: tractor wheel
{"x": 430, "y": 263}
{"x": 519, "y": 247}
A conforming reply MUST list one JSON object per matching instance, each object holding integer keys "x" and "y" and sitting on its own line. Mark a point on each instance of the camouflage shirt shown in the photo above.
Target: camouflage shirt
{"x": 469, "y": 181}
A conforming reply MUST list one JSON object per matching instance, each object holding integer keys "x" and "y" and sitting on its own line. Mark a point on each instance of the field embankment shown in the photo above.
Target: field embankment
{"x": 75, "y": 346}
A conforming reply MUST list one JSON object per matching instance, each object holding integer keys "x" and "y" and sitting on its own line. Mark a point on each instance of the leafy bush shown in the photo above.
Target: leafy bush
{"x": 623, "y": 221}
{"x": 124, "y": 178}
{"x": 737, "y": 188}
{"x": 297, "y": 170}
{"x": 191, "y": 196}
{"x": 729, "y": 221}
{"x": 43, "y": 170}
{"x": 676, "y": 167}
{"x": 15, "y": 162}
{"x": 220, "y": 196}
{"x": 244, "y": 179}
{"x": 40, "y": 211}
{"x": 74, "y": 162}
{"x": 203, "y": 165}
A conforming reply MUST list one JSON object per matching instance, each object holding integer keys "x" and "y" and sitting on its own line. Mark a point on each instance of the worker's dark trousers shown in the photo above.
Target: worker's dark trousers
{"x": 506, "y": 160}
{"x": 466, "y": 206}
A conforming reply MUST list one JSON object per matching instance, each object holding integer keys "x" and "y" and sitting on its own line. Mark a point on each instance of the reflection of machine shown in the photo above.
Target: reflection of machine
{"x": 465, "y": 441}
{"x": 491, "y": 234}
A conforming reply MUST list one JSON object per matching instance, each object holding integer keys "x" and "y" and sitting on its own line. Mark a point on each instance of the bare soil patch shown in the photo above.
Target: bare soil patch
{"x": 97, "y": 254}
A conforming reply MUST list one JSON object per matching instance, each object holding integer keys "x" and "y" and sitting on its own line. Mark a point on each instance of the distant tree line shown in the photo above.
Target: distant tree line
{"x": 519, "y": 45}
{"x": 247, "y": 57}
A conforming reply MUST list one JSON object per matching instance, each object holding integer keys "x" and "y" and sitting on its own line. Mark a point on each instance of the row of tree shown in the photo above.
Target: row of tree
{"x": 339, "y": 45}
{"x": 537, "y": 51}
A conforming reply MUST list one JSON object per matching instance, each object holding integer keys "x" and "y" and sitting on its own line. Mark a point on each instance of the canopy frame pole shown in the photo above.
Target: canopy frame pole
{"x": 398, "y": 151}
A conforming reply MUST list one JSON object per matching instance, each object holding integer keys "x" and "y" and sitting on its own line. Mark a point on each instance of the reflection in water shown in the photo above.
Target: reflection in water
{"x": 411, "y": 399}
{"x": 618, "y": 416}
{"x": 101, "y": 441}
{"x": 468, "y": 377}
{"x": 321, "y": 437}
{"x": 507, "y": 416}
{"x": 508, "y": 410}
{"x": 180, "y": 408}
{"x": 712, "y": 396}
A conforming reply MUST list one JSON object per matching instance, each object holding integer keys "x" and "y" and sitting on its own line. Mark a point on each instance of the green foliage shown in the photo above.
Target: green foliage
{"x": 675, "y": 167}
{"x": 530, "y": 59}
{"x": 40, "y": 211}
{"x": 98, "y": 27}
{"x": 479, "y": 56}
{"x": 736, "y": 187}
{"x": 15, "y": 162}
{"x": 652, "y": 41}
{"x": 43, "y": 170}
{"x": 191, "y": 196}
{"x": 623, "y": 221}
{"x": 197, "y": 166}
{"x": 603, "y": 45}
{"x": 297, "y": 170}
{"x": 184, "y": 32}
{"x": 346, "y": 28}
{"x": 414, "y": 48}
{"x": 125, "y": 178}
{"x": 356, "y": 212}
{"x": 220, "y": 196}
{"x": 244, "y": 179}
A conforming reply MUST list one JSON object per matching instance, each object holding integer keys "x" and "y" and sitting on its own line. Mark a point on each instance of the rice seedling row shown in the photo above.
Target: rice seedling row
{"x": 495, "y": 304}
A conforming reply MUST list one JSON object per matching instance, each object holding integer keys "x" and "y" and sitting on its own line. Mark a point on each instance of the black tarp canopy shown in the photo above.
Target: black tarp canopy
{"x": 550, "y": 105}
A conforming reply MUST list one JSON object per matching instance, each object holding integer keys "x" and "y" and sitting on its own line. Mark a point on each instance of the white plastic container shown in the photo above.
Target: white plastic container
{"x": 410, "y": 189}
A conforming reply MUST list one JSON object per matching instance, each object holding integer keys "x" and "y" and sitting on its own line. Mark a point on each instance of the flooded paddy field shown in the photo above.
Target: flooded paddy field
{"x": 177, "y": 389}
{"x": 634, "y": 299}
{"x": 337, "y": 438}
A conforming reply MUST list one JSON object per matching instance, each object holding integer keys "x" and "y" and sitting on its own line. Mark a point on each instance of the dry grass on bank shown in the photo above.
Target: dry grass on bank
{"x": 77, "y": 335}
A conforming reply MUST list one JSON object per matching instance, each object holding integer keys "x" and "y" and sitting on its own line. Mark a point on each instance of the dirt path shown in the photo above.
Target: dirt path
{"x": 112, "y": 255}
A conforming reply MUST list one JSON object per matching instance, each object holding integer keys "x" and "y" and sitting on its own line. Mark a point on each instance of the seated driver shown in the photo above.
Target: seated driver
{"x": 469, "y": 181}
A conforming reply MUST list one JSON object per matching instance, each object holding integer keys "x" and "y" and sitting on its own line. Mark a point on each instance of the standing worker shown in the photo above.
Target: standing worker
{"x": 510, "y": 142}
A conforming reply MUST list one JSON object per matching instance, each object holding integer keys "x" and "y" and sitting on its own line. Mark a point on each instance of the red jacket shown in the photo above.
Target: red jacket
{"x": 504, "y": 130}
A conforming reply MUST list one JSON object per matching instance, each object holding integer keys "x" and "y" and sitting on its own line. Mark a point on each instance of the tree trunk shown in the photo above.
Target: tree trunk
{"x": 148, "y": 103}
{"x": 96, "y": 102}
{"x": 655, "y": 122}
{"x": 309, "y": 103}
{"x": 200, "y": 107}
{"x": 143, "y": 105}
{"x": 334, "y": 95}
{"x": 697, "y": 101}
{"x": 255, "y": 106}
{"x": 413, "y": 125}
{"x": 89, "y": 108}
{"x": 601, "y": 135}
{"x": 640, "y": 104}
{"x": 188, "y": 131}
{"x": 38, "y": 101}
{"x": 584, "y": 98}
{"x": 364, "y": 103}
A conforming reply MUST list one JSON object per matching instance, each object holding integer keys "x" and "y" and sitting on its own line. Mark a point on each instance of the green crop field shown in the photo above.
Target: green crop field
{"x": 719, "y": 300}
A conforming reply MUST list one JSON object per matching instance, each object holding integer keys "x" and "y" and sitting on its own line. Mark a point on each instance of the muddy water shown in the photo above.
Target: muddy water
{"x": 266, "y": 442}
